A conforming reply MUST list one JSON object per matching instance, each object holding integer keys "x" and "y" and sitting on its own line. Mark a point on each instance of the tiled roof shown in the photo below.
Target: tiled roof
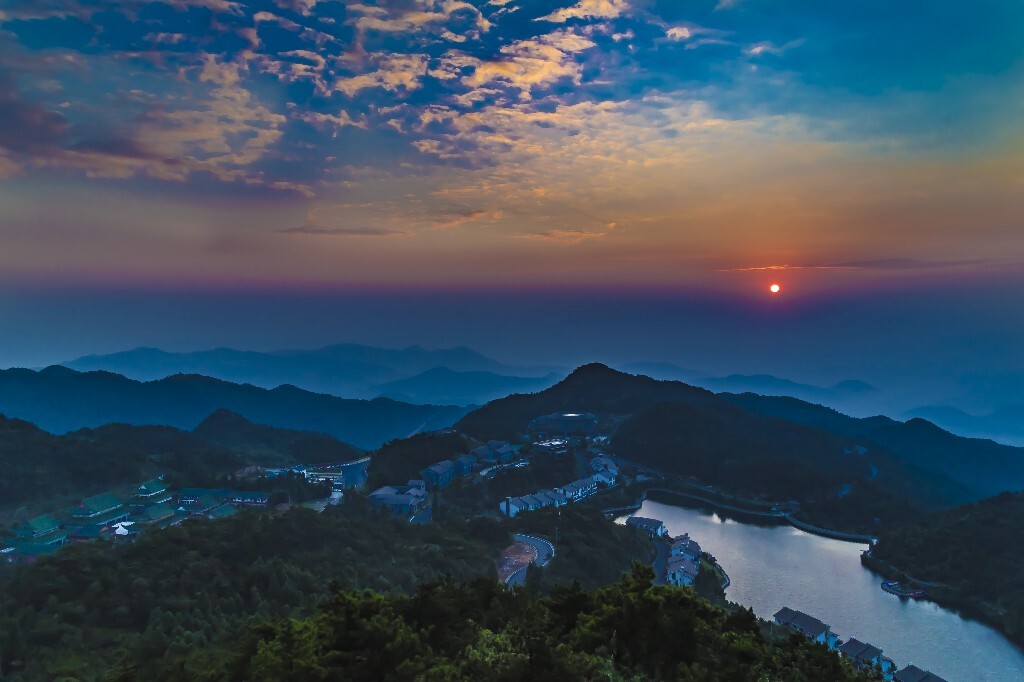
{"x": 98, "y": 504}
{"x": 41, "y": 525}
{"x": 808, "y": 625}
{"x": 914, "y": 674}
{"x": 222, "y": 512}
{"x": 159, "y": 512}
{"x": 441, "y": 468}
{"x": 645, "y": 523}
{"x": 859, "y": 651}
{"x": 152, "y": 487}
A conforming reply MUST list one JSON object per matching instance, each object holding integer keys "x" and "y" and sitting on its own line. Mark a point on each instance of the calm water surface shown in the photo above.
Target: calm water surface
{"x": 776, "y": 566}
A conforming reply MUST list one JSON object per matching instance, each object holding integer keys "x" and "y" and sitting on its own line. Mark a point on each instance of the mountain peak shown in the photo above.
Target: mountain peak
{"x": 222, "y": 419}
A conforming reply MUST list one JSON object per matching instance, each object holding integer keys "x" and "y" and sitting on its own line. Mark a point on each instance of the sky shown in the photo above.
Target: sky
{"x": 175, "y": 172}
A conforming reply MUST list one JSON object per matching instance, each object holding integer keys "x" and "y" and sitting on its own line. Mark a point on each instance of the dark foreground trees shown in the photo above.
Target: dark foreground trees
{"x": 480, "y": 631}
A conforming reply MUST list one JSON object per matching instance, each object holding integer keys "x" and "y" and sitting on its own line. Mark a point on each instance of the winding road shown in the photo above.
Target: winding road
{"x": 545, "y": 553}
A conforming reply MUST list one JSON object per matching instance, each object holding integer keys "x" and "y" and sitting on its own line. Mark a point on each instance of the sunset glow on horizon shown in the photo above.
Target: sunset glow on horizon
{"x": 425, "y": 143}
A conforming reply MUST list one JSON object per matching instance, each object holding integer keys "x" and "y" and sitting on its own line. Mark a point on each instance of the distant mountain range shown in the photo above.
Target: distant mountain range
{"x": 443, "y": 385}
{"x": 1005, "y": 423}
{"x": 462, "y": 376}
{"x": 766, "y": 384}
{"x": 345, "y": 370}
{"x": 59, "y": 399}
{"x": 837, "y": 395}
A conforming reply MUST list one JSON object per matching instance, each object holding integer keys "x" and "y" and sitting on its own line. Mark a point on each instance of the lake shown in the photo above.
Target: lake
{"x": 776, "y": 566}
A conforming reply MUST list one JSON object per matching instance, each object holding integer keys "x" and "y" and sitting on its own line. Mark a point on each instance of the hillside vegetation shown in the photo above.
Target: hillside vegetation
{"x": 986, "y": 467}
{"x": 182, "y": 598}
{"x": 973, "y": 554}
{"x": 446, "y": 631}
{"x": 43, "y": 472}
{"x": 591, "y": 388}
{"x": 840, "y": 479}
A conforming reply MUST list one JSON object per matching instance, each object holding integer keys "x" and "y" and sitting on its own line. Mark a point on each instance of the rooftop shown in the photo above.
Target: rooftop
{"x": 798, "y": 620}
{"x": 914, "y": 674}
{"x": 40, "y": 525}
{"x": 441, "y": 468}
{"x": 642, "y": 522}
{"x": 97, "y": 504}
{"x": 151, "y": 487}
{"x": 860, "y": 651}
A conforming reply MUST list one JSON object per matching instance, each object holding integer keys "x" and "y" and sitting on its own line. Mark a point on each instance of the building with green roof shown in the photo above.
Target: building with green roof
{"x": 43, "y": 530}
{"x": 151, "y": 492}
{"x": 102, "y": 509}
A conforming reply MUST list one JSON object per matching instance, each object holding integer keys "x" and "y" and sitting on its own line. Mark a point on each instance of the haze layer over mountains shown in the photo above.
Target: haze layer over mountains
{"x": 463, "y": 377}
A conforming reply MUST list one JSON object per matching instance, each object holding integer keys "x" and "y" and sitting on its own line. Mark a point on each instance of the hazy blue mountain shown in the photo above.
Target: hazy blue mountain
{"x": 663, "y": 371}
{"x": 348, "y": 370}
{"x": 1004, "y": 423}
{"x": 766, "y": 384}
{"x": 983, "y": 465}
{"x": 443, "y": 385}
{"x": 234, "y": 431}
{"x": 60, "y": 399}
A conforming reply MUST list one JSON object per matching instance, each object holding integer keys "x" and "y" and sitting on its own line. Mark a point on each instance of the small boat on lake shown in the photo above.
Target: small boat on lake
{"x": 893, "y": 587}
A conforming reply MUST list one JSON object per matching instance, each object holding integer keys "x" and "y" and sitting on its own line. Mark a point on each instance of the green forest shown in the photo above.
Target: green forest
{"x": 444, "y": 630}
{"x": 971, "y": 555}
{"x": 205, "y": 584}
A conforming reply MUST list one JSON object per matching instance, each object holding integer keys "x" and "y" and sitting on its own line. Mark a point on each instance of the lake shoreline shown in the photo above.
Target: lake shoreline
{"x": 692, "y": 501}
{"x": 937, "y": 595}
{"x": 773, "y": 564}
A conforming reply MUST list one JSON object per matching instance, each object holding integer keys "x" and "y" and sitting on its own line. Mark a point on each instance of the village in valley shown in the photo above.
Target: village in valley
{"x": 569, "y": 438}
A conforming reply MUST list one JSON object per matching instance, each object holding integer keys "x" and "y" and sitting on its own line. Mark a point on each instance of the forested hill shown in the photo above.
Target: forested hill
{"x": 763, "y": 457}
{"x": 592, "y": 388}
{"x": 974, "y": 555}
{"x": 231, "y": 430}
{"x": 965, "y": 468}
{"x": 59, "y": 400}
{"x": 43, "y": 471}
{"x": 842, "y": 479}
{"x": 982, "y": 465}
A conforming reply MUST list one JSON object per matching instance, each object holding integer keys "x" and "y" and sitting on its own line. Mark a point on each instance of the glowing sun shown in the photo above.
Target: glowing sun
{"x": 775, "y": 288}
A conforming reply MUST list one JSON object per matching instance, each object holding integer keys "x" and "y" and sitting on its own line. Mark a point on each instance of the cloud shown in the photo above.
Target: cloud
{"x": 312, "y": 230}
{"x": 398, "y": 20}
{"x": 450, "y": 219}
{"x": 564, "y": 236}
{"x": 394, "y": 73}
{"x": 529, "y": 65}
{"x": 303, "y": 7}
{"x": 889, "y": 264}
{"x": 26, "y": 127}
{"x": 332, "y": 122}
{"x": 588, "y": 9}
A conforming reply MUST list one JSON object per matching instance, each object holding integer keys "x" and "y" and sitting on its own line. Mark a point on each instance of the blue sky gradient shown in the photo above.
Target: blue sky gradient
{"x": 851, "y": 150}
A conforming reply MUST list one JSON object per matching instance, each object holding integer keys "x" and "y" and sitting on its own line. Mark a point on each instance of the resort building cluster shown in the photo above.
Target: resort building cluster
{"x": 684, "y": 553}
{"x": 121, "y": 515}
{"x": 605, "y": 476}
{"x": 862, "y": 655}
